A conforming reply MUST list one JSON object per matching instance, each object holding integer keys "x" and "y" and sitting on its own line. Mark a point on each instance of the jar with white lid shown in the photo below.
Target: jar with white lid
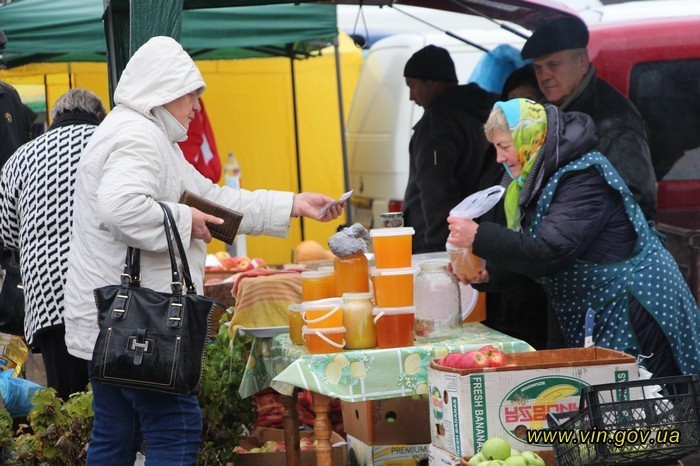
{"x": 358, "y": 321}
{"x": 437, "y": 300}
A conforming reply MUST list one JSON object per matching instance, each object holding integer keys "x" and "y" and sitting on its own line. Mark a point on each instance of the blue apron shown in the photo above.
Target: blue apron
{"x": 650, "y": 275}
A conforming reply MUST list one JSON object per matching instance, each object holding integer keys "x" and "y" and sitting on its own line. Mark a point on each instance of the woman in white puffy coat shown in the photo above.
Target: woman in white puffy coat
{"x": 131, "y": 163}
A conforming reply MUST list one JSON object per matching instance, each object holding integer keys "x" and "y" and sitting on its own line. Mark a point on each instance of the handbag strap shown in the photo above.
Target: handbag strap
{"x": 132, "y": 266}
{"x": 189, "y": 285}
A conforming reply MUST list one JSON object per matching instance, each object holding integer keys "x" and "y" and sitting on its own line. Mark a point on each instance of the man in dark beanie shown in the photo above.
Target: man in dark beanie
{"x": 568, "y": 79}
{"x": 449, "y": 155}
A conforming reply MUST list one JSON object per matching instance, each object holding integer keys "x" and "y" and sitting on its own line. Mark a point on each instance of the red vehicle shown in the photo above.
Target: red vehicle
{"x": 656, "y": 63}
{"x": 651, "y": 55}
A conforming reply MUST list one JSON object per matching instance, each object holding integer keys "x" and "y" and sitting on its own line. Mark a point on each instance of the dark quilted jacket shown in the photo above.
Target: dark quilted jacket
{"x": 622, "y": 138}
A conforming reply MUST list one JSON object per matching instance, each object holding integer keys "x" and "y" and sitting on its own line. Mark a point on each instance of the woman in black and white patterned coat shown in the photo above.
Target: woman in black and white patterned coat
{"x": 36, "y": 207}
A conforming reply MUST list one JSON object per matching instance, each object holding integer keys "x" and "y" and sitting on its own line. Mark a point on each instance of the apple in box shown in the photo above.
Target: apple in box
{"x": 495, "y": 356}
{"x": 473, "y": 360}
{"x": 487, "y": 356}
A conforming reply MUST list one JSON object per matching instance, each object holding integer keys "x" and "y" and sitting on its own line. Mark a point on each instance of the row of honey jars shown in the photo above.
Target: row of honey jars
{"x": 392, "y": 281}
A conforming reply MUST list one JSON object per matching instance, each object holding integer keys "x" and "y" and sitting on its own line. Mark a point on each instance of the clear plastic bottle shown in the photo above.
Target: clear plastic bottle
{"x": 232, "y": 172}
{"x": 437, "y": 301}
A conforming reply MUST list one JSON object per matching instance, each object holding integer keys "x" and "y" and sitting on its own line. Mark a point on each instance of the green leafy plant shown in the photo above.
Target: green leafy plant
{"x": 57, "y": 433}
{"x": 224, "y": 413}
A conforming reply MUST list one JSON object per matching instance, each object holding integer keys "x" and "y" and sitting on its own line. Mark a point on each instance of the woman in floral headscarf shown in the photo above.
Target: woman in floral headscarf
{"x": 574, "y": 227}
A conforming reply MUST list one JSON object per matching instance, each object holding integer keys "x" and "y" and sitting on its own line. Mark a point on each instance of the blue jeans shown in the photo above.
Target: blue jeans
{"x": 171, "y": 426}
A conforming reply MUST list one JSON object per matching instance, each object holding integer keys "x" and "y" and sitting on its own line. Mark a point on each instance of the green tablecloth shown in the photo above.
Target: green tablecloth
{"x": 358, "y": 375}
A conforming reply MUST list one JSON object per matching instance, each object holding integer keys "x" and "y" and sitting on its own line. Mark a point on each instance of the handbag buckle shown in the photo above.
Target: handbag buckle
{"x": 175, "y": 312}
{"x": 134, "y": 345}
{"x": 140, "y": 345}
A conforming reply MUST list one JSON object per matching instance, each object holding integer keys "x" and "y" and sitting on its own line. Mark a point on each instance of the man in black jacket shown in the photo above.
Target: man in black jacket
{"x": 449, "y": 155}
{"x": 568, "y": 79}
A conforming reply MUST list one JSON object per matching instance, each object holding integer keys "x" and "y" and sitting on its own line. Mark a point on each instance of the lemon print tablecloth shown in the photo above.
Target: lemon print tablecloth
{"x": 358, "y": 375}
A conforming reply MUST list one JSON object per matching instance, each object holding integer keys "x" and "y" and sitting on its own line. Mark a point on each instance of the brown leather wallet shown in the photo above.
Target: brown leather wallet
{"x": 226, "y": 232}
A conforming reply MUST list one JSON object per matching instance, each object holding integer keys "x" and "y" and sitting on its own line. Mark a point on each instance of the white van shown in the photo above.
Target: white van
{"x": 382, "y": 116}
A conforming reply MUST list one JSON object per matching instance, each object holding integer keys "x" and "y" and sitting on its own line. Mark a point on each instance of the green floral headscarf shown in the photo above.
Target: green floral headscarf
{"x": 527, "y": 122}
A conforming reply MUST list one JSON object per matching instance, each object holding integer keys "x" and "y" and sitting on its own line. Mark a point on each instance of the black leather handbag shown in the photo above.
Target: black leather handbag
{"x": 152, "y": 340}
{"x": 11, "y": 295}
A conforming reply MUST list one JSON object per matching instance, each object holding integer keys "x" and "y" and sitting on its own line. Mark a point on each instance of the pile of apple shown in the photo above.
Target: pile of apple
{"x": 488, "y": 356}
{"x": 305, "y": 443}
{"x": 234, "y": 264}
{"x": 496, "y": 451}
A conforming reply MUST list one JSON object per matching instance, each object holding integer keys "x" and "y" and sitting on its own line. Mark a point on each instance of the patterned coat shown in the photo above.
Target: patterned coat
{"x": 36, "y": 206}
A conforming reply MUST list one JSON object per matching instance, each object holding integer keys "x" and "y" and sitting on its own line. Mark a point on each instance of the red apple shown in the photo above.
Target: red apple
{"x": 306, "y": 443}
{"x": 495, "y": 356}
{"x": 451, "y": 360}
{"x": 229, "y": 263}
{"x": 473, "y": 360}
{"x": 258, "y": 263}
{"x": 242, "y": 263}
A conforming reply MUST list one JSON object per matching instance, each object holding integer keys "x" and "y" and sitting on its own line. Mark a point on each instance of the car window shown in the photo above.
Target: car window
{"x": 666, "y": 94}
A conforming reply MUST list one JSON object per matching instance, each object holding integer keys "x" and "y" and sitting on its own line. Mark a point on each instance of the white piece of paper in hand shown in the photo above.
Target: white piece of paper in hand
{"x": 342, "y": 199}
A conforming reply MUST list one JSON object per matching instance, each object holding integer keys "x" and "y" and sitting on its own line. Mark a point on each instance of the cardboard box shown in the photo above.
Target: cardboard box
{"x": 278, "y": 458}
{"x": 439, "y": 457}
{"x": 546, "y": 455}
{"x": 362, "y": 454}
{"x": 394, "y": 421}
{"x": 470, "y": 406}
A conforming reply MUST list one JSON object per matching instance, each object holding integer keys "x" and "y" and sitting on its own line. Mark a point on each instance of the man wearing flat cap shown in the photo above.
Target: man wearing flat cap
{"x": 567, "y": 79}
{"x": 450, "y": 157}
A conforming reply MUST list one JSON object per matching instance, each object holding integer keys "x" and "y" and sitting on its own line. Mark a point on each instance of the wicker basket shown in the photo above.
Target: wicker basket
{"x": 222, "y": 293}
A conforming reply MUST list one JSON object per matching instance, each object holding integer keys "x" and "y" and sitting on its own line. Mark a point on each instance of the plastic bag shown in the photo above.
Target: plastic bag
{"x": 492, "y": 70}
{"x": 478, "y": 203}
{"x": 17, "y": 393}
{"x": 464, "y": 263}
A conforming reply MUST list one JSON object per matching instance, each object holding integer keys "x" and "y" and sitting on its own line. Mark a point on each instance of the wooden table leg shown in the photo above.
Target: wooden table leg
{"x": 322, "y": 429}
{"x": 291, "y": 429}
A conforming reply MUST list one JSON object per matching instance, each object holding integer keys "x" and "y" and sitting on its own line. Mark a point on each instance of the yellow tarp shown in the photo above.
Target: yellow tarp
{"x": 250, "y": 105}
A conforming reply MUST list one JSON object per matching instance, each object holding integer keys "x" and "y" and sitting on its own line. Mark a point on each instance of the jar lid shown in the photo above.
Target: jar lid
{"x": 327, "y": 268}
{"x": 402, "y": 271}
{"x": 296, "y": 307}
{"x": 326, "y": 303}
{"x": 394, "y": 310}
{"x": 399, "y": 231}
{"x": 310, "y": 331}
{"x": 315, "y": 274}
{"x": 360, "y": 295}
{"x": 433, "y": 264}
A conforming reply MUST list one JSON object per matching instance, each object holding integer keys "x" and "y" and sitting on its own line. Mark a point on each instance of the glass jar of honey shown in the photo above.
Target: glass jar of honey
{"x": 296, "y": 322}
{"x": 359, "y": 326}
{"x": 316, "y": 285}
{"x": 351, "y": 274}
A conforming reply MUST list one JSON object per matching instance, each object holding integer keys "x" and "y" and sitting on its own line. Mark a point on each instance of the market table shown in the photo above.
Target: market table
{"x": 352, "y": 375}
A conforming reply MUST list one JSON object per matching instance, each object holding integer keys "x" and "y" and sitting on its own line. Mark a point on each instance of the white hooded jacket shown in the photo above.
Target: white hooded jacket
{"x": 131, "y": 163}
